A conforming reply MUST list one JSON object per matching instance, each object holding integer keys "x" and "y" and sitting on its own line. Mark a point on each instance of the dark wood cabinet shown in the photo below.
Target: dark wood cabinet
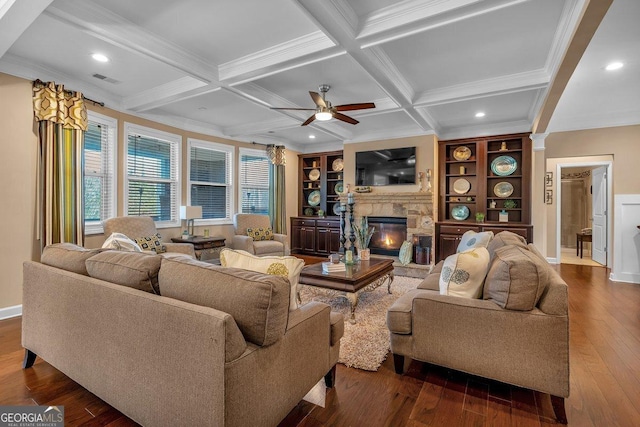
{"x": 315, "y": 236}
{"x": 448, "y": 235}
{"x": 489, "y": 176}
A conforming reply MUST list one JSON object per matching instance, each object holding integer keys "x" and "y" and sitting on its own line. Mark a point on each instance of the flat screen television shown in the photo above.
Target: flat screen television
{"x": 395, "y": 166}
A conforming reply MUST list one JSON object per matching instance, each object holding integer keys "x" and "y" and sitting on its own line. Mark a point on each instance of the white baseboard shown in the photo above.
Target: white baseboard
{"x": 9, "y": 312}
{"x": 625, "y": 277}
{"x": 552, "y": 260}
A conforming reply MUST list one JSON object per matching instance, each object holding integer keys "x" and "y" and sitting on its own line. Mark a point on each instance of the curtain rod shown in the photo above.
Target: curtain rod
{"x": 38, "y": 81}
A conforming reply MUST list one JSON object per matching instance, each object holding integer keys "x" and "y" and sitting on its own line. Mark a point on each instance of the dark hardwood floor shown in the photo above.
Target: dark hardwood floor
{"x": 605, "y": 378}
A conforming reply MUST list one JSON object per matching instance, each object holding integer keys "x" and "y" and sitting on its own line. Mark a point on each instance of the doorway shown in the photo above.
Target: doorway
{"x": 580, "y": 239}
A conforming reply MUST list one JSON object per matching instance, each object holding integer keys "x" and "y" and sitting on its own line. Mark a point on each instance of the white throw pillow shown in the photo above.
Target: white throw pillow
{"x": 463, "y": 274}
{"x": 286, "y": 266}
{"x": 120, "y": 242}
{"x": 471, "y": 240}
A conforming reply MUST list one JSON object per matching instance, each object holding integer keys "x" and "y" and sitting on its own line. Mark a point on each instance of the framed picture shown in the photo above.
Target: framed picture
{"x": 548, "y": 179}
{"x": 548, "y": 197}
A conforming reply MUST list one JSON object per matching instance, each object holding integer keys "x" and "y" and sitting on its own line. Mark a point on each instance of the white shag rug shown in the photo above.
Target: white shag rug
{"x": 365, "y": 344}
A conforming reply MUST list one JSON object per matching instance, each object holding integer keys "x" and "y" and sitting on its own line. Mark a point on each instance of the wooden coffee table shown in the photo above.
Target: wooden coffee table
{"x": 364, "y": 276}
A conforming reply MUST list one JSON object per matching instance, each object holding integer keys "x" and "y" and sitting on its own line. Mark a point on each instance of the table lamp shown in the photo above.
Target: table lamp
{"x": 190, "y": 213}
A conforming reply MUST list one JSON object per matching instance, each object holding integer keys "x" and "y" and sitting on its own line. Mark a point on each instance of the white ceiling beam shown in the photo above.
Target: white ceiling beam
{"x": 15, "y": 17}
{"x": 112, "y": 28}
{"x": 414, "y": 16}
{"x": 516, "y": 126}
{"x": 173, "y": 91}
{"x": 482, "y": 88}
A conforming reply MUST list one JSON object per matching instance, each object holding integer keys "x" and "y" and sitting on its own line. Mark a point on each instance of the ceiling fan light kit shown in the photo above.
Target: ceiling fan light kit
{"x": 325, "y": 111}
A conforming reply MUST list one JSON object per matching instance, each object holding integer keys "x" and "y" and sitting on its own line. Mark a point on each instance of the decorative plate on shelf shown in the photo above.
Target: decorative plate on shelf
{"x": 308, "y": 212}
{"x": 314, "y": 198}
{"x": 504, "y": 165}
{"x": 503, "y": 189}
{"x": 339, "y": 188}
{"x": 461, "y": 186}
{"x": 337, "y": 165}
{"x": 314, "y": 174}
{"x": 462, "y": 153}
{"x": 460, "y": 212}
{"x": 336, "y": 209}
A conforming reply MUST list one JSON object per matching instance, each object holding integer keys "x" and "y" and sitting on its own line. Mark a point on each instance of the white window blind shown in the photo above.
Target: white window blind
{"x": 153, "y": 169}
{"x": 255, "y": 169}
{"x": 210, "y": 182}
{"x": 99, "y": 172}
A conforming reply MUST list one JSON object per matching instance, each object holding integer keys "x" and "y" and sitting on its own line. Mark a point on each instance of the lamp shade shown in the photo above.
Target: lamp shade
{"x": 190, "y": 212}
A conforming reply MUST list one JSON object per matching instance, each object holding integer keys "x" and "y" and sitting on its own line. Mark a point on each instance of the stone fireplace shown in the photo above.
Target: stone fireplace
{"x": 389, "y": 235}
{"x": 415, "y": 207}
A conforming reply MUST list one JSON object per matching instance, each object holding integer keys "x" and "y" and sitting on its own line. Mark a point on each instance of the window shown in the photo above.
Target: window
{"x": 255, "y": 169}
{"x": 153, "y": 170}
{"x": 99, "y": 171}
{"x": 210, "y": 183}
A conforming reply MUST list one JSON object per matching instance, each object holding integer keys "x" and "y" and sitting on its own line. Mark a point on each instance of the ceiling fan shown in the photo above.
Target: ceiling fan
{"x": 325, "y": 111}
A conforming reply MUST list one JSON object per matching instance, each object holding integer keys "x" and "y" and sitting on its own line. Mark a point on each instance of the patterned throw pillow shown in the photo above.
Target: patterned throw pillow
{"x": 260, "y": 233}
{"x": 151, "y": 244}
{"x": 463, "y": 274}
{"x": 278, "y": 269}
{"x": 471, "y": 240}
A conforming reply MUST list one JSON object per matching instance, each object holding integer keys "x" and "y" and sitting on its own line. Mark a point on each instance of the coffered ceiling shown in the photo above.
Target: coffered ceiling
{"x": 217, "y": 67}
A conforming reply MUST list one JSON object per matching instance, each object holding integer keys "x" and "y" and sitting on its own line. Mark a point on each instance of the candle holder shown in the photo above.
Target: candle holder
{"x": 352, "y": 233}
{"x": 343, "y": 236}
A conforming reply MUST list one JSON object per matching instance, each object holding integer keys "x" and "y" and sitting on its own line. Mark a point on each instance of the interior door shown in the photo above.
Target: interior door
{"x": 599, "y": 209}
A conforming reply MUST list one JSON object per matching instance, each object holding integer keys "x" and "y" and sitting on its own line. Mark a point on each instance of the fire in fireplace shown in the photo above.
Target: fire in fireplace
{"x": 390, "y": 233}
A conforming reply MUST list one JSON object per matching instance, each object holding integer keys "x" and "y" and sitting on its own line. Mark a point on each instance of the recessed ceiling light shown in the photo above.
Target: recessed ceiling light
{"x": 480, "y": 114}
{"x": 100, "y": 57}
{"x": 614, "y": 66}
{"x": 312, "y": 137}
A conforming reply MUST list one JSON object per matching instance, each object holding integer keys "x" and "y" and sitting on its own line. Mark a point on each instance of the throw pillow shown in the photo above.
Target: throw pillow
{"x": 505, "y": 238}
{"x": 151, "y": 244}
{"x": 471, "y": 240}
{"x": 120, "y": 242}
{"x": 406, "y": 253}
{"x": 463, "y": 273}
{"x": 516, "y": 279}
{"x": 260, "y": 233}
{"x": 285, "y": 266}
{"x": 136, "y": 270}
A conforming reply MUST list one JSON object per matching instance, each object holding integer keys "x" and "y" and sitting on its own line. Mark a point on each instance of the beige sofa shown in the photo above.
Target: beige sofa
{"x": 218, "y": 347}
{"x": 526, "y": 348}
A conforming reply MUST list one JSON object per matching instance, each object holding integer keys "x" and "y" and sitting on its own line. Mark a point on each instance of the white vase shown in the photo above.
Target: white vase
{"x": 365, "y": 254}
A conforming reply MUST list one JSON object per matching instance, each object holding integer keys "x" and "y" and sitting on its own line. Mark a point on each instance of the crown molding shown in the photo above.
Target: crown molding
{"x": 384, "y": 66}
{"x": 185, "y": 124}
{"x": 254, "y": 65}
{"x": 395, "y": 134}
{"x": 569, "y": 20}
{"x": 173, "y": 91}
{"x": 601, "y": 119}
{"x": 317, "y": 148}
{"x": 529, "y": 80}
{"x": 428, "y": 118}
{"x": 517, "y": 126}
{"x": 255, "y": 128}
{"x": 348, "y": 16}
{"x": 112, "y": 28}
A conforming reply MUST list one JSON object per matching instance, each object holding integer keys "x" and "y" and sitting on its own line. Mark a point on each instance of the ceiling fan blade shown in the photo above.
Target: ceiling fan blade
{"x": 344, "y": 118}
{"x": 318, "y": 99}
{"x": 299, "y": 109}
{"x": 309, "y": 120}
{"x": 350, "y": 107}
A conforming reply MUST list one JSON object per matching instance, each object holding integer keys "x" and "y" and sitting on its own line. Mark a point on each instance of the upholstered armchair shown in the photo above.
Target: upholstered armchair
{"x": 135, "y": 227}
{"x": 279, "y": 246}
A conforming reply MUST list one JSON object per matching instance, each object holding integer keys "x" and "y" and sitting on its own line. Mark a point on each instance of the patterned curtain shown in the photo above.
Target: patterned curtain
{"x": 62, "y": 120}
{"x": 277, "y": 202}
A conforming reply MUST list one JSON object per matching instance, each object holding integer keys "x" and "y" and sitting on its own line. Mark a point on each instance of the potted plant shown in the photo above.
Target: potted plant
{"x": 363, "y": 235}
{"x": 479, "y": 217}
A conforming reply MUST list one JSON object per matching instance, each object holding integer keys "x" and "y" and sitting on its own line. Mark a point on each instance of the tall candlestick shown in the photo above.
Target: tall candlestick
{"x": 350, "y": 198}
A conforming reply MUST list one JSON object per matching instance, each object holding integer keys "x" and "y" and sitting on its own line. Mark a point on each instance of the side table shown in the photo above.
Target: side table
{"x": 206, "y": 248}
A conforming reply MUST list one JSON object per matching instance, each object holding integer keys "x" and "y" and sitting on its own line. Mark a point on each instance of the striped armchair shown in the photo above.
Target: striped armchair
{"x": 135, "y": 227}
{"x": 279, "y": 246}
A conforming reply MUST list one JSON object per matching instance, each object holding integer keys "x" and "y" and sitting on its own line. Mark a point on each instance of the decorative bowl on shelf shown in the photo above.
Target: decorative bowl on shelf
{"x": 337, "y": 165}
{"x": 462, "y": 153}
{"x": 460, "y": 212}
{"x": 336, "y": 209}
{"x": 503, "y": 189}
{"x": 314, "y": 174}
{"x": 308, "y": 212}
{"x": 461, "y": 186}
{"x": 314, "y": 198}
{"x": 339, "y": 188}
{"x": 504, "y": 165}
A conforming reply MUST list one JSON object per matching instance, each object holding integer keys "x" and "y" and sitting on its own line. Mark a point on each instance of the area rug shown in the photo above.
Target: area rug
{"x": 365, "y": 344}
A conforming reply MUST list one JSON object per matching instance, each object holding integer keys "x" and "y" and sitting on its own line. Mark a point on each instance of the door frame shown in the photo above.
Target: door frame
{"x": 558, "y": 187}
